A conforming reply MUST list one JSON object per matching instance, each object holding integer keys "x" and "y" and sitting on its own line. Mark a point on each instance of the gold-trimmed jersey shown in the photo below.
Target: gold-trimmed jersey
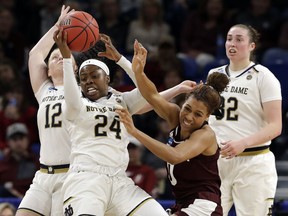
{"x": 242, "y": 108}
{"x": 54, "y": 138}
{"x": 97, "y": 135}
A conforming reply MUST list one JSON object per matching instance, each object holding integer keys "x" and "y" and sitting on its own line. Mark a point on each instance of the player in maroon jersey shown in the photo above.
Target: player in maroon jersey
{"x": 192, "y": 151}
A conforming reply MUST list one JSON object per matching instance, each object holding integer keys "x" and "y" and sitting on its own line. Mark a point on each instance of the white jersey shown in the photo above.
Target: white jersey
{"x": 97, "y": 135}
{"x": 247, "y": 90}
{"x": 54, "y": 138}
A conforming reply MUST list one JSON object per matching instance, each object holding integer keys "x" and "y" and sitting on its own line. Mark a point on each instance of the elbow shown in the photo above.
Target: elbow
{"x": 32, "y": 52}
{"x": 175, "y": 159}
{"x": 278, "y": 129}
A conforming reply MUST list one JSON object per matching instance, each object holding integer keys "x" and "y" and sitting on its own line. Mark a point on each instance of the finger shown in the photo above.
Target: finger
{"x": 65, "y": 10}
{"x": 104, "y": 38}
{"x": 136, "y": 45}
{"x": 101, "y": 54}
{"x": 224, "y": 152}
{"x": 60, "y": 34}
{"x": 55, "y": 34}
{"x": 223, "y": 146}
{"x": 65, "y": 37}
{"x": 230, "y": 156}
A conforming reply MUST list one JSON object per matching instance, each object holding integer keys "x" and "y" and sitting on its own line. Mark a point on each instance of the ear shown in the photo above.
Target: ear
{"x": 252, "y": 46}
{"x": 76, "y": 69}
{"x": 107, "y": 79}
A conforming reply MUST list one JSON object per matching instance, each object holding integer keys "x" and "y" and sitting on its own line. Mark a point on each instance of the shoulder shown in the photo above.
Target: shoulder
{"x": 265, "y": 73}
{"x": 262, "y": 68}
{"x": 220, "y": 69}
{"x": 206, "y": 133}
{"x": 43, "y": 89}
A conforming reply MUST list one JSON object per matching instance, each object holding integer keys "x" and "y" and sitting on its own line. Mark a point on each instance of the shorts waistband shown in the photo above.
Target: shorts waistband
{"x": 110, "y": 171}
{"x": 54, "y": 169}
{"x": 255, "y": 151}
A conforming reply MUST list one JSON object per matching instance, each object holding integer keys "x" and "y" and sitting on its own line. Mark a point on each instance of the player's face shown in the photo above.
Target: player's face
{"x": 94, "y": 82}
{"x": 238, "y": 45}
{"x": 193, "y": 114}
{"x": 55, "y": 64}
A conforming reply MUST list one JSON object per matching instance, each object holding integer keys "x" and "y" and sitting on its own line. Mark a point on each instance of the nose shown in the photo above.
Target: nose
{"x": 89, "y": 80}
{"x": 232, "y": 43}
{"x": 190, "y": 117}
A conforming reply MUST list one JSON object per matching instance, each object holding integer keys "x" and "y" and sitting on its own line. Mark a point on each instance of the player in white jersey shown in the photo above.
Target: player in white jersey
{"x": 97, "y": 183}
{"x": 251, "y": 118}
{"x": 44, "y": 195}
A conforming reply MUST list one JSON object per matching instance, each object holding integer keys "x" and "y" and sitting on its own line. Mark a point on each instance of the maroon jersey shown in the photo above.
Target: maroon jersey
{"x": 196, "y": 178}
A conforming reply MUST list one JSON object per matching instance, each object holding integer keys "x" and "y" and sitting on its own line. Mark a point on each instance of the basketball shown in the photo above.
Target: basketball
{"x": 82, "y": 31}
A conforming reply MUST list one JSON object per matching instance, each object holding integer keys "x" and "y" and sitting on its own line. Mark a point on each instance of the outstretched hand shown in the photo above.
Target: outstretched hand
{"x": 60, "y": 38}
{"x": 64, "y": 12}
{"x": 139, "y": 58}
{"x": 111, "y": 52}
{"x": 126, "y": 119}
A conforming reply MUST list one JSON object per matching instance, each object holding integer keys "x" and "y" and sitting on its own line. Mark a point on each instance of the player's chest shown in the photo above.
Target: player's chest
{"x": 246, "y": 85}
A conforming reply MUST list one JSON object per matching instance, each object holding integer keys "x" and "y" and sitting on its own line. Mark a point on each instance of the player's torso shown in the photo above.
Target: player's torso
{"x": 54, "y": 138}
{"x": 196, "y": 175}
{"x": 97, "y": 134}
{"x": 243, "y": 112}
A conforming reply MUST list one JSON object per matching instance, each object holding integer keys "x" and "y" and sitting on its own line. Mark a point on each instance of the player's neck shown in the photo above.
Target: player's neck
{"x": 240, "y": 65}
{"x": 58, "y": 82}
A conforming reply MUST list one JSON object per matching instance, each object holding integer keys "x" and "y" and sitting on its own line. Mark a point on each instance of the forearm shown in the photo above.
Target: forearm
{"x": 168, "y": 94}
{"x": 266, "y": 134}
{"x": 146, "y": 87}
{"x": 159, "y": 149}
{"x": 71, "y": 89}
{"x": 127, "y": 67}
{"x": 45, "y": 44}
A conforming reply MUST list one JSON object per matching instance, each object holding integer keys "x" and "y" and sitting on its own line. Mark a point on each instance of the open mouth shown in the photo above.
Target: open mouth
{"x": 187, "y": 123}
{"x": 232, "y": 51}
{"x": 91, "y": 91}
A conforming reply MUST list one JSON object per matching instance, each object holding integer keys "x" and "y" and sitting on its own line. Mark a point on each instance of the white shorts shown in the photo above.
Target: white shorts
{"x": 44, "y": 195}
{"x": 94, "y": 193}
{"x": 200, "y": 207}
{"x": 249, "y": 182}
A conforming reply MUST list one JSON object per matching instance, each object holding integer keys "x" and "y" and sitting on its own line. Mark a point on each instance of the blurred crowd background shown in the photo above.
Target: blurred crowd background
{"x": 185, "y": 39}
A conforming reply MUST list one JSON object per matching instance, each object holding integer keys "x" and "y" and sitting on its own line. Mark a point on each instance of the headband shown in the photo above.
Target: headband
{"x": 95, "y": 62}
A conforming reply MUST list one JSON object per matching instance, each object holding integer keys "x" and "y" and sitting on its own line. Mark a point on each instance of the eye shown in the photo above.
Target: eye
{"x": 188, "y": 109}
{"x": 198, "y": 114}
{"x": 83, "y": 78}
{"x": 94, "y": 76}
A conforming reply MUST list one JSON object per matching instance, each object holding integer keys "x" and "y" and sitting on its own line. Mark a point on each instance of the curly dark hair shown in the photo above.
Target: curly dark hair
{"x": 209, "y": 92}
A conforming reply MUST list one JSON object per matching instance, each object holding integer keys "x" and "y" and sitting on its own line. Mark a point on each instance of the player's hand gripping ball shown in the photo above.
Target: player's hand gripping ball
{"x": 82, "y": 31}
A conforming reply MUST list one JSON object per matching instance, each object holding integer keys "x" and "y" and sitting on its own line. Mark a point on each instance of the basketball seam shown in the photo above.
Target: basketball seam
{"x": 83, "y": 29}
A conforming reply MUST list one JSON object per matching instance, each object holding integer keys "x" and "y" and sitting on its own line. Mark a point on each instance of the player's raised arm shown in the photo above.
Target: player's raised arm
{"x": 38, "y": 69}
{"x": 112, "y": 53}
{"x": 71, "y": 90}
{"x": 164, "y": 109}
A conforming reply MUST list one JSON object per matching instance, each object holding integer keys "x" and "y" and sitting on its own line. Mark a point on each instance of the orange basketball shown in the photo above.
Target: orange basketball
{"x": 82, "y": 31}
